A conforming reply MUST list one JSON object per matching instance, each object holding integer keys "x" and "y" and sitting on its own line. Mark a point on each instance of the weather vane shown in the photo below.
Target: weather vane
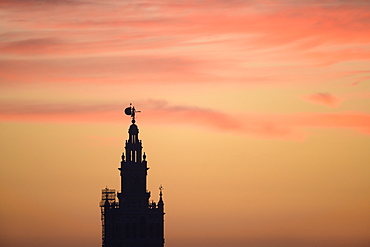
{"x": 131, "y": 111}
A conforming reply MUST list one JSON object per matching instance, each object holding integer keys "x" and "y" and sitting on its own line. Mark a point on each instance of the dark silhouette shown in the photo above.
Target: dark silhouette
{"x": 132, "y": 221}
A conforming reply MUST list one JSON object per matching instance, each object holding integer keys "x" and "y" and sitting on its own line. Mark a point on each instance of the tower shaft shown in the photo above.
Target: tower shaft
{"x": 133, "y": 221}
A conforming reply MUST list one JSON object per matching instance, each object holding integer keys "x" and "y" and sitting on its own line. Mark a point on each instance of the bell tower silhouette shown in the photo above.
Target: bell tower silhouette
{"x": 132, "y": 221}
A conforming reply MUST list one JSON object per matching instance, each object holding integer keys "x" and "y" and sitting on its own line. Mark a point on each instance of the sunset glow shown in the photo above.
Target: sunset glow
{"x": 255, "y": 118}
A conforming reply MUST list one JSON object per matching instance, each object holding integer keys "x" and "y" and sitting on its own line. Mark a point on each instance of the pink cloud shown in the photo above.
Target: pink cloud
{"x": 164, "y": 21}
{"x": 281, "y": 126}
{"x": 208, "y": 41}
{"x": 323, "y": 99}
{"x": 32, "y": 46}
{"x": 104, "y": 69}
{"x": 362, "y": 79}
{"x": 333, "y": 101}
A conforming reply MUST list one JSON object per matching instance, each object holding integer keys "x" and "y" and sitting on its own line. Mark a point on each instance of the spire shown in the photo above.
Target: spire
{"x": 133, "y": 144}
{"x": 160, "y": 202}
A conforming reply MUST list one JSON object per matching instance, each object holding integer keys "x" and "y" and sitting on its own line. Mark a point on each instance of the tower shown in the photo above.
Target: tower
{"x": 129, "y": 219}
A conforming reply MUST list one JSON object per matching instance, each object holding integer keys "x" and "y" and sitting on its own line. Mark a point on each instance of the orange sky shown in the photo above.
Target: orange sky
{"x": 255, "y": 118}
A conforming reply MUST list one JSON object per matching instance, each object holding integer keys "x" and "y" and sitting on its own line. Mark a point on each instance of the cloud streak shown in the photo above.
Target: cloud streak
{"x": 276, "y": 126}
{"x": 323, "y": 99}
{"x": 227, "y": 41}
{"x": 280, "y": 43}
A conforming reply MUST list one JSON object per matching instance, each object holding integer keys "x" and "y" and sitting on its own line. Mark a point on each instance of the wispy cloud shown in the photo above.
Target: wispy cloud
{"x": 228, "y": 41}
{"x": 281, "y": 126}
{"x": 330, "y": 100}
{"x": 124, "y": 69}
{"x": 360, "y": 80}
{"x": 323, "y": 99}
{"x": 278, "y": 43}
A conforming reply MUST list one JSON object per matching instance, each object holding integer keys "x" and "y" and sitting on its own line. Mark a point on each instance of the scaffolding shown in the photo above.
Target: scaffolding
{"x": 108, "y": 201}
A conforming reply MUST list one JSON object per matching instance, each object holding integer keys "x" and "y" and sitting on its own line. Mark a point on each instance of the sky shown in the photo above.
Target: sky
{"x": 255, "y": 118}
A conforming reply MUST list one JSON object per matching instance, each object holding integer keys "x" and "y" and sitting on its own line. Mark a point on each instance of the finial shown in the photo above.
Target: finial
{"x": 160, "y": 202}
{"x": 144, "y": 156}
{"x": 131, "y": 111}
{"x": 160, "y": 190}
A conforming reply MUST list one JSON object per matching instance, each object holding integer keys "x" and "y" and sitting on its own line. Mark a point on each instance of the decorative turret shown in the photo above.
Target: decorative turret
{"x": 133, "y": 145}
